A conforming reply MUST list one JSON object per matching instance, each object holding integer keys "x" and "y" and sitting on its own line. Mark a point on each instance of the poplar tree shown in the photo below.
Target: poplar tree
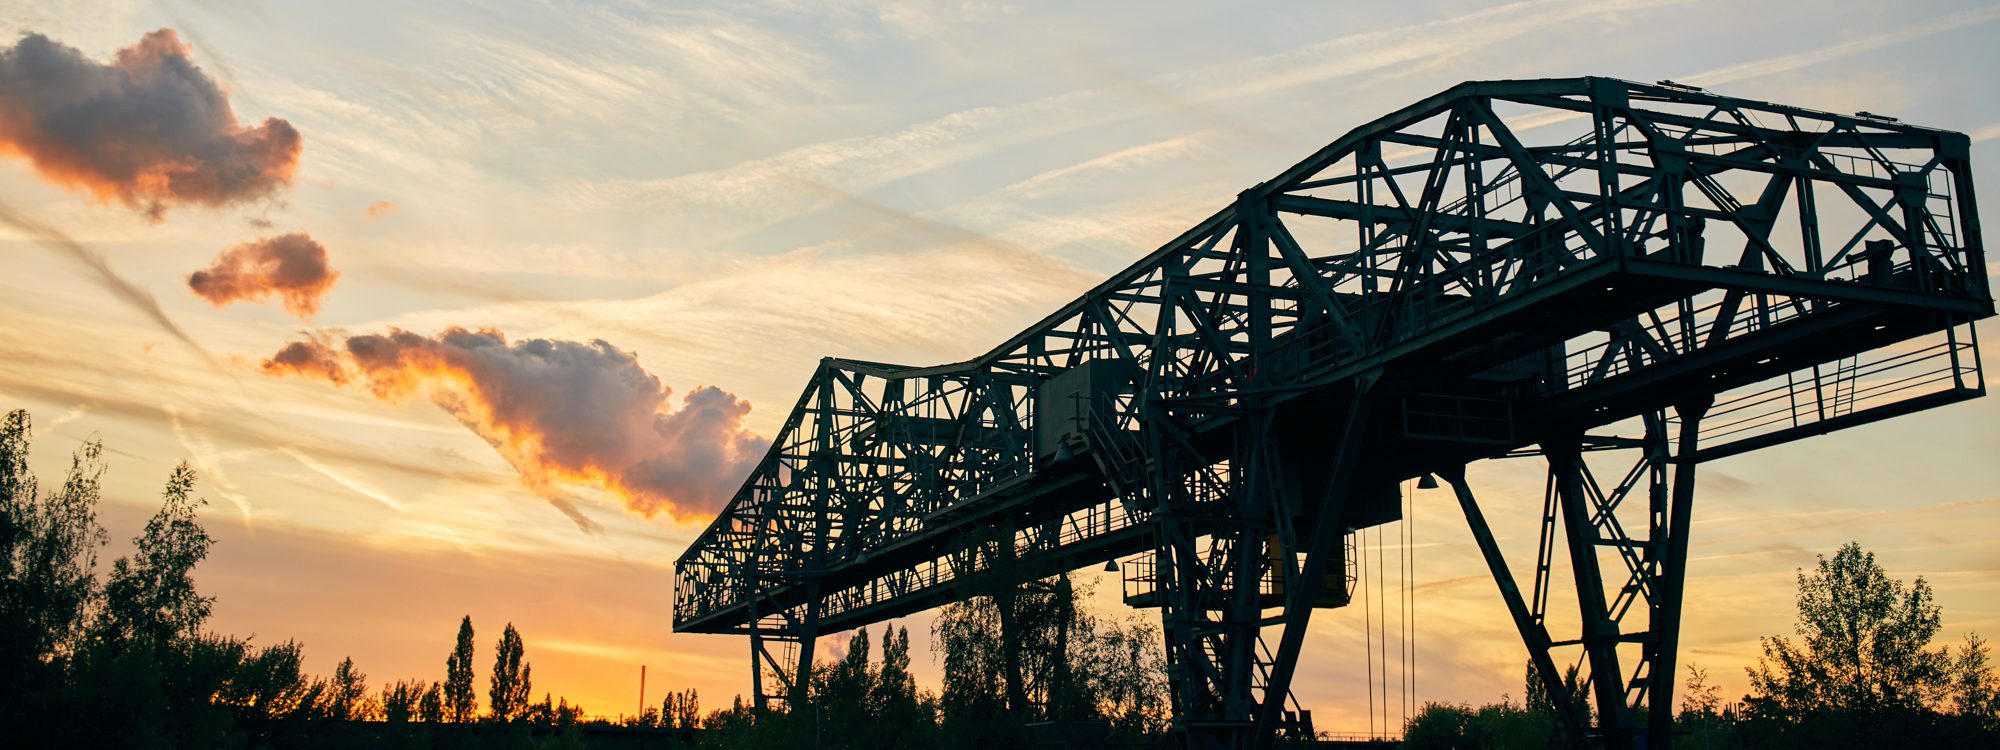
{"x": 512, "y": 678}
{"x": 461, "y": 705}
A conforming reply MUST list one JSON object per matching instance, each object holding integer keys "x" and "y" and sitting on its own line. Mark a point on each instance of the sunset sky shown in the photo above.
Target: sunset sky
{"x": 367, "y": 310}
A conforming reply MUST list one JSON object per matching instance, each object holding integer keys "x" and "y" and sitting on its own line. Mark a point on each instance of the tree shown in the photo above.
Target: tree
{"x": 1863, "y": 644}
{"x": 1699, "y": 698}
{"x": 558, "y": 713}
{"x": 1536, "y": 698}
{"x": 1975, "y": 691}
{"x": 839, "y": 715}
{"x": 430, "y": 708}
{"x": 1123, "y": 674}
{"x": 48, "y": 561}
{"x": 150, "y": 597}
{"x": 461, "y": 705}
{"x": 974, "y": 700}
{"x": 894, "y": 701}
{"x": 347, "y": 694}
{"x": 1702, "y": 718}
{"x": 142, "y": 668}
{"x": 1863, "y": 670}
{"x": 856, "y": 702}
{"x": 512, "y": 682}
{"x": 270, "y": 684}
{"x": 1495, "y": 726}
{"x": 400, "y": 698}
{"x": 1049, "y": 659}
{"x": 680, "y": 710}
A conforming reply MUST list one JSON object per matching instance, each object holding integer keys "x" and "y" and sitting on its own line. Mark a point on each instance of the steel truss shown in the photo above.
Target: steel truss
{"x": 1566, "y": 269}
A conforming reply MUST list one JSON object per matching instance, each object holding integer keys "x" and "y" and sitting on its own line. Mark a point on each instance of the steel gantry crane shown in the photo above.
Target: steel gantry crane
{"x": 1621, "y": 280}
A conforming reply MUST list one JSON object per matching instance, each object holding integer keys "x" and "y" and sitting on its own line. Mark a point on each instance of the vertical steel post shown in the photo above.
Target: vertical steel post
{"x": 1672, "y": 577}
{"x": 1600, "y": 632}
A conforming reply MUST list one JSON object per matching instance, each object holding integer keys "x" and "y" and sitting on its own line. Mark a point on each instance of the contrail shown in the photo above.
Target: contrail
{"x": 131, "y": 293}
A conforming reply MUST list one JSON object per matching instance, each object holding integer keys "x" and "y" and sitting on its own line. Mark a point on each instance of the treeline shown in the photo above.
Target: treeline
{"x": 1053, "y": 668}
{"x": 1862, "y": 672}
{"x": 125, "y": 661}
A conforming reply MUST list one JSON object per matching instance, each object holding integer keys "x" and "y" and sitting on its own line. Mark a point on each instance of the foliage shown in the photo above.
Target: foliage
{"x": 399, "y": 700}
{"x": 1536, "y": 699}
{"x": 1498, "y": 726}
{"x": 460, "y": 704}
{"x": 974, "y": 698}
{"x": 1534, "y": 725}
{"x": 1031, "y": 653}
{"x": 680, "y": 710}
{"x": 904, "y": 714}
{"x": 347, "y": 694}
{"x": 1862, "y": 644}
{"x": 1862, "y": 673}
{"x": 1703, "y": 719}
{"x": 1863, "y": 669}
{"x": 1699, "y": 699}
{"x": 555, "y": 712}
{"x": 128, "y": 664}
{"x": 1973, "y": 690}
{"x": 513, "y": 678}
{"x": 430, "y": 708}
{"x": 48, "y": 560}
{"x": 150, "y": 599}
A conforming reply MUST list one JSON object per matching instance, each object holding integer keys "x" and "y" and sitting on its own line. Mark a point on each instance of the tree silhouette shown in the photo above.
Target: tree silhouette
{"x": 127, "y": 664}
{"x": 270, "y": 683}
{"x": 461, "y": 705}
{"x": 150, "y": 597}
{"x": 1974, "y": 692}
{"x": 680, "y": 710}
{"x": 1071, "y": 666}
{"x": 399, "y": 700}
{"x": 1862, "y": 670}
{"x": 512, "y": 682}
{"x": 430, "y": 708}
{"x": 347, "y": 694}
{"x": 48, "y": 561}
{"x": 1862, "y": 646}
{"x": 894, "y": 700}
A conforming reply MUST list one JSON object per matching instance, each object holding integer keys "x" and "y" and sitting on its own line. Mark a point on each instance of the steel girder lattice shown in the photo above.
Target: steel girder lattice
{"x": 1576, "y": 270}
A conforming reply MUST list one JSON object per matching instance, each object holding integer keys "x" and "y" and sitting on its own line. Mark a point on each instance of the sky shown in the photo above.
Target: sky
{"x": 483, "y": 308}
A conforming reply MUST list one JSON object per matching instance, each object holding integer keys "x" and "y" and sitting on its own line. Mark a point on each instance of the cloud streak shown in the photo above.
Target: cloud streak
{"x": 148, "y": 130}
{"x": 358, "y": 486}
{"x": 561, "y": 412}
{"x": 126, "y": 291}
{"x": 291, "y": 267}
{"x": 1786, "y": 63}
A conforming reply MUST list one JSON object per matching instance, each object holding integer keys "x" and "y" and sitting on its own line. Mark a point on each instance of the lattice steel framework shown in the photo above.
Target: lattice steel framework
{"x": 1574, "y": 269}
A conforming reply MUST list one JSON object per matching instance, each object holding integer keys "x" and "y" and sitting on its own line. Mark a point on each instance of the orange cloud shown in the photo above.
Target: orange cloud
{"x": 310, "y": 359}
{"x": 291, "y": 267}
{"x": 149, "y": 130}
{"x": 379, "y": 209}
{"x": 562, "y": 412}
